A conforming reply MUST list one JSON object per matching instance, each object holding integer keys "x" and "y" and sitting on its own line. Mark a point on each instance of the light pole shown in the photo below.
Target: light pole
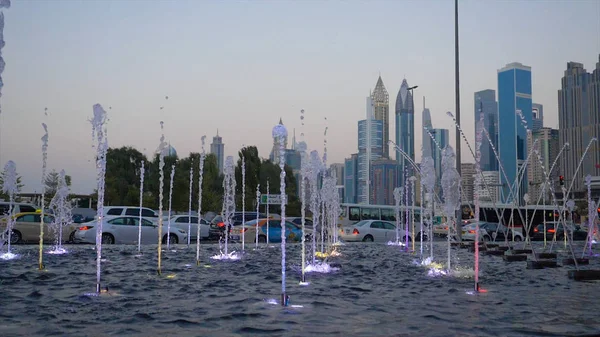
{"x": 412, "y": 99}
{"x": 457, "y": 99}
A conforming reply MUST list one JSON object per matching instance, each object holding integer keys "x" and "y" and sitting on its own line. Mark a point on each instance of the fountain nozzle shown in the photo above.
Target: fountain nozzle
{"x": 285, "y": 299}
{"x": 477, "y": 287}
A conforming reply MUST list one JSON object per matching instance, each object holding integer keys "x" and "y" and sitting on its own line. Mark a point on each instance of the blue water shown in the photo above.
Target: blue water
{"x": 378, "y": 291}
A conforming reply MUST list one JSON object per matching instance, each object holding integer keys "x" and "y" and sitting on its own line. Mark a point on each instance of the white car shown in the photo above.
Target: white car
{"x": 183, "y": 222}
{"x": 125, "y": 230}
{"x": 372, "y": 231}
{"x": 490, "y": 231}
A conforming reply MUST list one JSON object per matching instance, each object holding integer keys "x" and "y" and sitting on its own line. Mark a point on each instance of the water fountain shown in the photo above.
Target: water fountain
{"x": 170, "y": 210}
{"x": 62, "y": 211}
{"x": 244, "y": 200}
{"x": 228, "y": 207}
{"x": 397, "y": 199}
{"x": 451, "y": 186}
{"x": 142, "y": 170}
{"x": 189, "y": 237}
{"x": 44, "y": 160}
{"x": 98, "y": 129}
{"x": 257, "y": 215}
{"x": 280, "y": 134}
{"x": 315, "y": 168}
{"x": 267, "y": 210}
{"x": 412, "y": 180}
{"x": 305, "y": 174}
{"x": 10, "y": 187}
{"x": 428, "y": 180}
{"x": 3, "y": 4}
{"x": 592, "y": 213}
{"x": 161, "y": 182}
{"x": 200, "y": 179}
{"x": 476, "y": 193}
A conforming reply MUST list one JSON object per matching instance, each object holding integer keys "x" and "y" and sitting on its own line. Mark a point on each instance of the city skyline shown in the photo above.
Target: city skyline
{"x": 251, "y": 74}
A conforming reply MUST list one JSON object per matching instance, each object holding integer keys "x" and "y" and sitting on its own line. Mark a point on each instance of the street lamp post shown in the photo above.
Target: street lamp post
{"x": 457, "y": 99}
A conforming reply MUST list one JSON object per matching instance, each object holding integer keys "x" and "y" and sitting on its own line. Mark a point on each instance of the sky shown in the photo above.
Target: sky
{"x": 239, "y": 66}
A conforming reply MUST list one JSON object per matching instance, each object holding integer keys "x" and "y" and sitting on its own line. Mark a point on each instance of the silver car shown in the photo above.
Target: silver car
{"x": 183, "y": 222}
{"x": 125, "y": 230}
{"x": 372, "y": 231}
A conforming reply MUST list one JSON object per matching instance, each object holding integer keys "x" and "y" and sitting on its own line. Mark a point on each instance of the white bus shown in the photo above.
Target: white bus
{"x": 353, "y": 213}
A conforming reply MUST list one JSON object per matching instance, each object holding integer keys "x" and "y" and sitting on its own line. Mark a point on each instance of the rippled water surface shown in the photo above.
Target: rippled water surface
{"x": 378, "y": 291}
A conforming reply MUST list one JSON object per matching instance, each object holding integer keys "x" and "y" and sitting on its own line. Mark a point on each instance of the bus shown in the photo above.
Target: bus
{"x": 353, "y": 213}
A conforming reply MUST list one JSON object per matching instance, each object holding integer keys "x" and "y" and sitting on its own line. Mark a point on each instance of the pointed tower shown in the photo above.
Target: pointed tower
{"x": 427, "y": 146}
{"x": 381, "y": 105}
{"x": 274, "y": 156}
{"x": 405, "y": 126}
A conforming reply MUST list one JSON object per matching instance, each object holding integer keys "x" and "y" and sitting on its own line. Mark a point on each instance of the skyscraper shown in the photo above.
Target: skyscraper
{"x": 514, "y": 94}
{"x": 385, "y": 179}
{"x": 579, "y": 121}
{"x": 442, "y": 140}
{"x": 339, "y": 175}
{"x": 218, "y": 149}
{"x": 467, "y": 171}
{"x": 274, "y": 156}
{"x": 405, "y": 127}
{"x": 547, "y": 147}
{"x": 381, "y": 107}
{"x": 427, "y": 144}
{"x": 350, "y": 179}
{"x": 537, "y": 116}
{"x": 485, "y": 102}
{"x": 370, "y": 144}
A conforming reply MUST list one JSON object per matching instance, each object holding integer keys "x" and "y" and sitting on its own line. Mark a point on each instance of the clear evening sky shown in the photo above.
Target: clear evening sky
{"x": 241, "y": 65}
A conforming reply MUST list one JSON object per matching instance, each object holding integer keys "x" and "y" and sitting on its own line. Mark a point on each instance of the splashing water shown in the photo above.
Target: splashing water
{"x": 228, "y": 206}
{"x": 315, "y": 169}
{"x": 257, "y": 215}
{"x": 200, "y": 179}
{"x": 3, "y": 4}
{"x": 451, "y": 187}
{"x": 161, "y": 182}
{"x": 476, "y": 193}
{"x": 61, "y": 208}
{"x": 280, "y": 134}
{"x": 190, "y": 204}
{"x": 10, "y": 187}
{"x": 44, "y": 160}
{"x": 428, "y": 179}
{"x": 170, "y": 204}
{"x": 142, "y": 170}
{"x": 243, "y": 200}
{"x": 98, "y": 129}
{"x": 267, "y": 207}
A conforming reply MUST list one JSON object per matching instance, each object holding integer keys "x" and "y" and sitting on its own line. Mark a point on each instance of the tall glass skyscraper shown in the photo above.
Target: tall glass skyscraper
{"x": 350, "y": 179}
{"x": 514, "y": 93}
{"x": 405, "y": 128}
{"x": 218, "y": 148}
{"x": 381, "y": 107}
{"x": 376, "y": 151}
{"x": 427, "y": 141}
{"x": 537, "y": 115}
{"x": 441, "y": 138}
{"x": 485, "y": 102}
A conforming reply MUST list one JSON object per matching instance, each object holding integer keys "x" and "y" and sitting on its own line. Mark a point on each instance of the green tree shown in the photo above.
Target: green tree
{"x": 122, "y": 180}
{"x": 253, "y": 165}
{"x": 5, "y": 196}
{"x": 212, "y": 185}
{"x": 51, "y": 184}
{"x": 270, "y": 172}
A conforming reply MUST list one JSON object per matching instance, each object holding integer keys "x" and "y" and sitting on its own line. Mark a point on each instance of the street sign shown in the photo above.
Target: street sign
{"x": 271, "y": 199}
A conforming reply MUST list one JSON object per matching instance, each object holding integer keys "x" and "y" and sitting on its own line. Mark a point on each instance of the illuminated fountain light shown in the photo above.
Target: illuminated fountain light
{"x": 226, "y": 256}
{"x": 8, "y": 256}
{"x": 57, "y": 251}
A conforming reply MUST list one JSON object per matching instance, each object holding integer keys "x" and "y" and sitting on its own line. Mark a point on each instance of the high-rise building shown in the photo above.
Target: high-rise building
{"x": 427, "y": 142}
{"x": 381, "y": 107}
{"x": 338, "y": 168}
{"x": 514, "y": 96}
{"x": 385, "y": 179}
{"x": 579, "y": 121}
{"x": 366, "y": 148}
{"x": 537, "y": 116}
{"x": 467, "y": 177}
{"x": 547, "y": 147}
{"x": 351, "y": 179}
{"x": 441, "y": 141}
{"x": 274, "y": 156}
{"x": 489, "y": 187}
{"x": 218, "y": 149}
{"x": 405, "y": 127}
{"x": 485, "y": 103}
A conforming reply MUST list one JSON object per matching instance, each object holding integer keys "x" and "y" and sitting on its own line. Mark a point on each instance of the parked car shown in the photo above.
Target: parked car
{"x": 293, "y": 232}
{"x": 114, "y": 211}
{"x": 17, "y": 207}
{"x": 372, "y": 231}
{"x": 125, "y": 230}
{"x": 186, "y": 222}
{"x": 556, "y": 228}
{"x": 217, "y": 225}
{"x": 490, "y": 231}
{"x": 26, "y": 228}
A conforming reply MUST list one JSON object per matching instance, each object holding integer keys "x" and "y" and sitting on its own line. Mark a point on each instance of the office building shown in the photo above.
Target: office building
{"x": 218, "y": 149}
{"x": 485, "y": 103}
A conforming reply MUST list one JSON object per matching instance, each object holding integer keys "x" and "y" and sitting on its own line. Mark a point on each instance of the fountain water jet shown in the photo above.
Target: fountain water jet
{"x": 476, "y": 192}
{"x": 305, "y": 173}
{"x": 98, "y": 130}
{"x": 451, "y": 187}
{"x": 10, "y": 187}
{"x": 412, "y": 180}
{"x": 244, "y": 200}
{"x": 257, "y": 215}
{"x": 170, "y": 199}
{"x": 142, "y": 170}
{"x": 161, "y": 182}
{"x": 267, "y": 208}
{"x": 189, "y": 238}
{"x": 315, "y": 168}
{"x": 44, "y": 160}
{"x": 200, "y": 179}
{"x": 280, "y": 134}
{"x": 228, "y": 206}
{"x": 62, "y": 211}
